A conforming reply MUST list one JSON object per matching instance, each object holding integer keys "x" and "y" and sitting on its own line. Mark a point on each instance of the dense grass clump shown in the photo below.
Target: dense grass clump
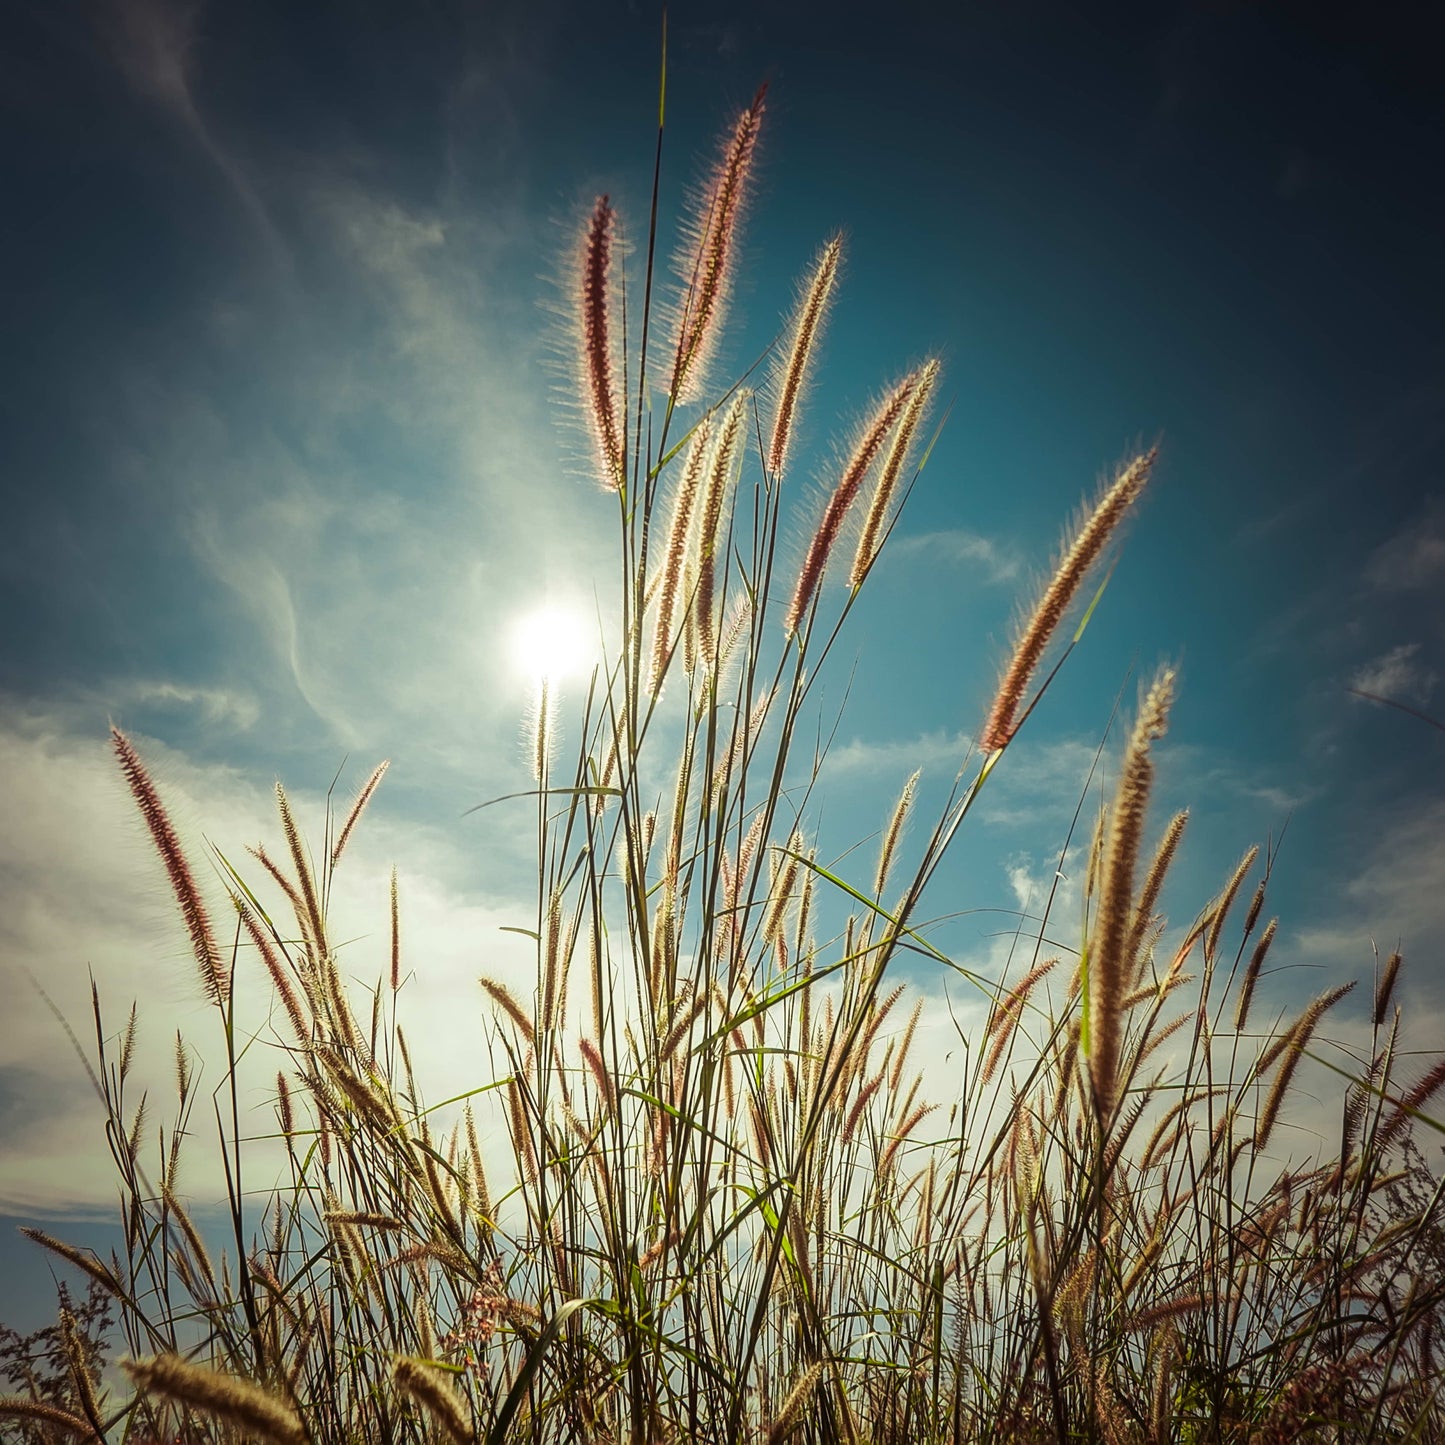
{"x": 732, "y": 1208}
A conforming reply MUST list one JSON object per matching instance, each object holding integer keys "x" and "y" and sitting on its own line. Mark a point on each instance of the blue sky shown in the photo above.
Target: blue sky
{"x": 285, "y": 459}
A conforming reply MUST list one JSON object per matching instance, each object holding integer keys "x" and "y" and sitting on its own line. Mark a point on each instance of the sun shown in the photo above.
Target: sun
{"x": 551, "y": 644}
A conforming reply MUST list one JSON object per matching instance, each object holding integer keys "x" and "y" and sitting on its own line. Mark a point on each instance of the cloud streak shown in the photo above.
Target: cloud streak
{"x": 154, "y": 43}
{"x": 980, "y": 556}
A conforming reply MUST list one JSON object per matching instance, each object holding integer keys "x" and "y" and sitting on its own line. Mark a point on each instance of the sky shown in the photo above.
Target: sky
{"x": 286, "y": 459}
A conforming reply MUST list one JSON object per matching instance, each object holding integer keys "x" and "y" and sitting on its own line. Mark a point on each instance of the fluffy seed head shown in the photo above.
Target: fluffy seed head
{"x": 705, "y": 264}
{"x": 603, "y": 401}
{"x": 425, "y": 1384}
{"x": 1385, "y": 988}
{"x": 790, "y": 1412}
{"x": 227, "y": 1397}
{"x": 1081, "y": 552}
{"x": 879, "y": 507}
{"x": 1251, "y": 974}
{"x": 215, "y": 976}
{"x": 362, "y": 799}
{"x": 706, "y": 539}
{"x": 870, "y": 443}
{"x": 1293, "y": 1043}
{"x": 804, "y": 327}
{"x": 675, "y": 556}
{"x": 1108, "y": 965}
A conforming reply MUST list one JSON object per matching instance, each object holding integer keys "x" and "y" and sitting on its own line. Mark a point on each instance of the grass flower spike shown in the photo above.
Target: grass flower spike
{"x": 804, "y": 328}
{"x": 1080, "y": 554}
{"x": 825, "y": 537}
{"x": 875, "y": 520}
{"x": 215, "y": 976}
{"x": 705, "y": 265}
{"x": 1109, "y": 967}
{"x": 599, "y": 385}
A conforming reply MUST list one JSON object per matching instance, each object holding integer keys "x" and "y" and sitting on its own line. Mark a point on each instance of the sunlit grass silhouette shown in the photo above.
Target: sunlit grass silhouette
{"x": 733, "y": 1208}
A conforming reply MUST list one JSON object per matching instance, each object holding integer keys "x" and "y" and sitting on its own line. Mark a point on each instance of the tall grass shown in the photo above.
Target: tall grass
{"x": 734, "y": 1209}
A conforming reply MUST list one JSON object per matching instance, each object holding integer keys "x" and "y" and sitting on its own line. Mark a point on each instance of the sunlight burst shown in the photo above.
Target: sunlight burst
{"x": 551, "y": 643}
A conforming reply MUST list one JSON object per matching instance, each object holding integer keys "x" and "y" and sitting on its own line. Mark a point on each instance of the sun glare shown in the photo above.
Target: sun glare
{"x": 551, "y": 643}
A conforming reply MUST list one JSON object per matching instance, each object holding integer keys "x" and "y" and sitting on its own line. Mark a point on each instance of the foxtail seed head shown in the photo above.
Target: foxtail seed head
{"x": 706, "y": 262}
{"x": 804, "y": 327}
{"x": 703, "y": 568}
{"x": 227, "y": 1397}
{"x": 875, "y": 522}
{"x": 1081, "y": 552}
{"x": 604, "y": 402}
{"x": 865, "y": 453}
{"x": 1108, "y": 964}
{"x": 355, "y": 811}
{"x": 675, "y": 559}
{"x": 215, "y": 976}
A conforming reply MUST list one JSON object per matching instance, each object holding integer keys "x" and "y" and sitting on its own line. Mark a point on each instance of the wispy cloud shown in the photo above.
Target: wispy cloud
{"x": 1414, "y": 558}
{"x": 1397, "y": 674}
{"x": 228, "y": 707}
{"x": 154, "y": 42}
{"x": 1393, "y": 899}
{"x": 936, "y": 750}
{"x": 982, "y": 556}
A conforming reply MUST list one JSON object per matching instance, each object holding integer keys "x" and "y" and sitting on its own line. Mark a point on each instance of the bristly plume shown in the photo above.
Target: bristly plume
{"x": 304, "y": 878}
{"x": 706, "y": 262}
{"x": 271, "y": 955}
{"x": 1385, "y": 988}
{"x": 1080, "y": 552}
{"x": 703, "y": 574}
{"x": 259, "y": 1413}
{"x": 395, "y": 934}
{"x": 881, "y": 504}
{"x": 675, "y": 554}
{"x": 215, "y": 976}
{"x": 894, "y": 831}
{"x": 870, "y": 444}
{"x": 1292, "y": 1044}
{"x": 362, "y": 799}
{"x": 429, "y": 1387}
{"x": 604, "y": 401}
{"x": 805, "y": 325}
{"x": 1108, "y": 961}
{"x": 1251, "y": 975}
{"x": 1154, "y": 883}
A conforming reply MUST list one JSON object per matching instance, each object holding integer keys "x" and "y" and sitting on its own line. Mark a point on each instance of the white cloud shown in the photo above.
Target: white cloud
{"x": 1394, "y": 897}
{"x": 974, "y": 553}
{"x": 936, "y": 749}
{"x": 1414, "y": 558}
{"x": 1397, "y": 674}
{"x": 216, "y": 705}
{"x": 82, "y": 894}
